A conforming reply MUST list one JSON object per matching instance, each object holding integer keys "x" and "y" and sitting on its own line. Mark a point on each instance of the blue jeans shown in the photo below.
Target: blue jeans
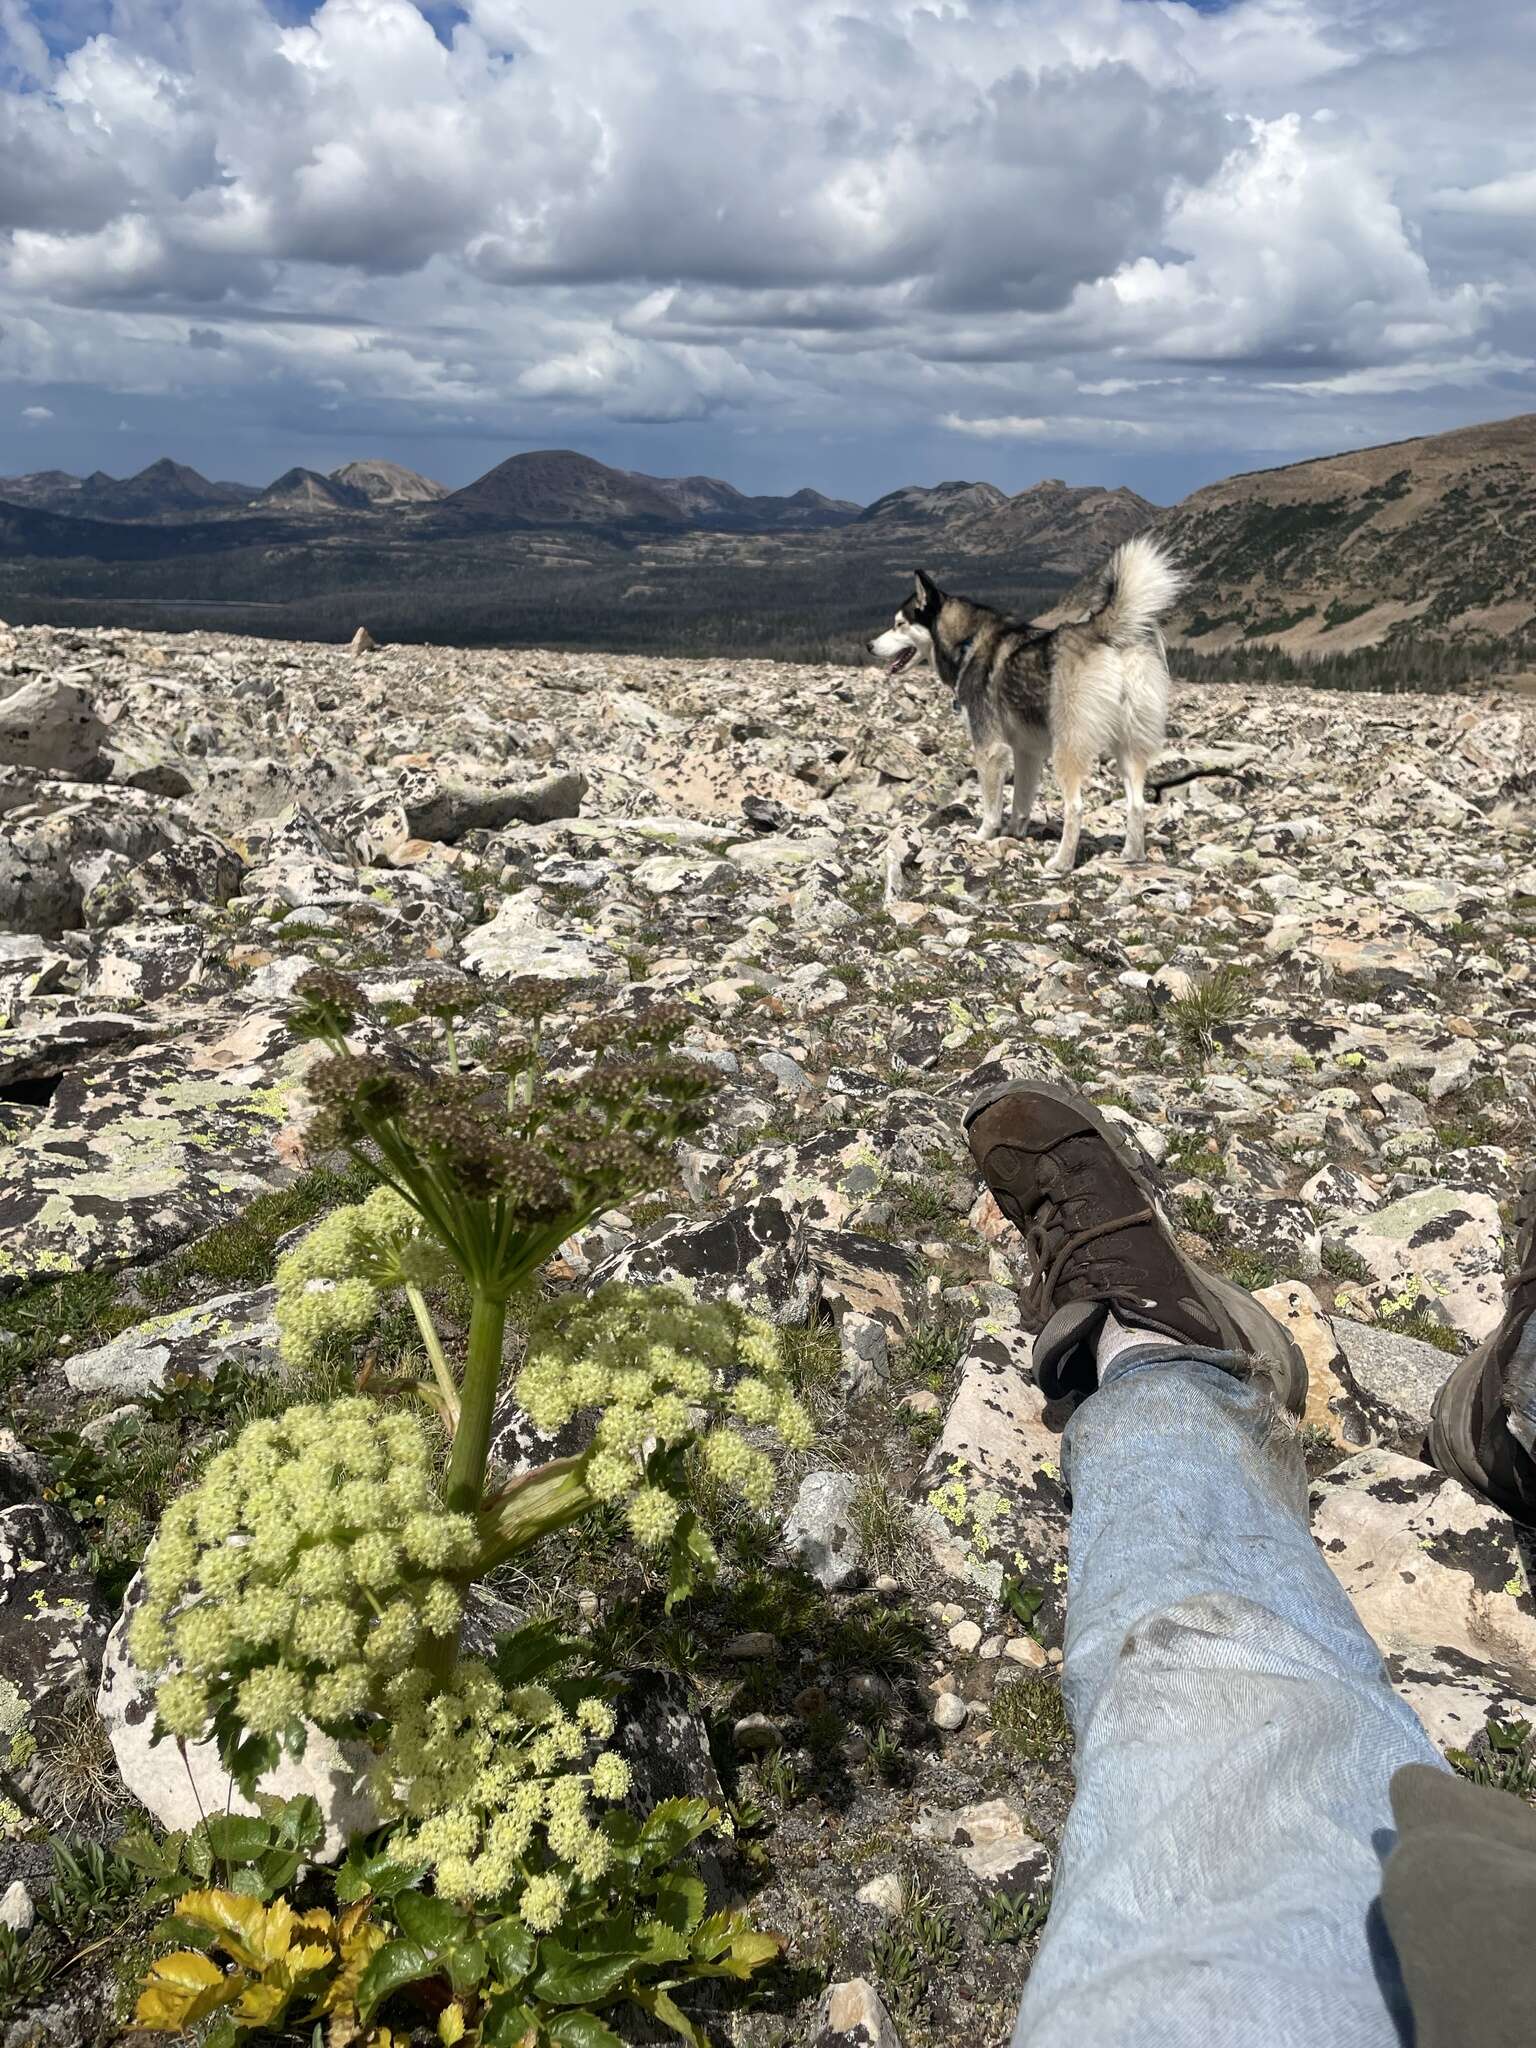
{"x": 1218, "y": 1877}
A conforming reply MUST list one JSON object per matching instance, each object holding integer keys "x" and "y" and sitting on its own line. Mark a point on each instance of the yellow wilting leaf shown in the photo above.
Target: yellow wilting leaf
{"x": 240, "y": 1923}
{"x": 181, "y": 1989}
{"x": 450, "y": 2025}
{"x": 263, "y": 2005}
{"x": 359, "y": 1940}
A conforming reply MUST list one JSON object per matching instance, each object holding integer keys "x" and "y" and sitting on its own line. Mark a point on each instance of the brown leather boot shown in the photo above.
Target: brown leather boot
{"x": 1060, "y": 1176}
{"x": 1482, "y": 1429}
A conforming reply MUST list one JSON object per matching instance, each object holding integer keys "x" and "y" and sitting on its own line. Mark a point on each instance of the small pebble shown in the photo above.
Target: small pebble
{"x": 992, "y": 1647}
{"x": 755, "y": 1732}
{"x": 887, "y": 1587}
{"x": 756, "y": 1643}
{"x": 1025, "y": 1650}
{"x": 885, "y": 1893}
{"x": 949, "y": 1712}
{"x": 16, "y": 1908}
{"x": 814, "y": 1700}
{"x": 869, "y": 1685}
{"x": 965, "y": 1636}
{"x": 587, "y": 1605}
{"x": 922, "y": 1402}
{"x": 1053, "y": 1656}
{"x": 951, "y": 1612}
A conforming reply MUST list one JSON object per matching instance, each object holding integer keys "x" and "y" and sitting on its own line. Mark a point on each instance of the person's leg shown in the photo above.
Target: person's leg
{"x": 1219, "y": 1876}
{"x": 1236, "y": 1737}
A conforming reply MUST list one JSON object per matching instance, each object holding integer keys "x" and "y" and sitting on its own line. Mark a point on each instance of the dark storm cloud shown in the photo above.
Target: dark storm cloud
{"x": 1076, "y": 223}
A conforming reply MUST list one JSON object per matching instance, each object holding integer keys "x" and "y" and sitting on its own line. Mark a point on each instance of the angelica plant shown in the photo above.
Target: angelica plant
{"x": 499, "y": 1167}
{"x": 322, "y": 1561}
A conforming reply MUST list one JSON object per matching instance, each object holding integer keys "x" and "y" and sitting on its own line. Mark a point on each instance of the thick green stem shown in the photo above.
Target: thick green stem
{"x": 477, "y": 1402}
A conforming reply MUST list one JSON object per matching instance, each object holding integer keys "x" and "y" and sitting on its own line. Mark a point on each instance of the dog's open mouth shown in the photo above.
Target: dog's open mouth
{"x": 900, "y": 662}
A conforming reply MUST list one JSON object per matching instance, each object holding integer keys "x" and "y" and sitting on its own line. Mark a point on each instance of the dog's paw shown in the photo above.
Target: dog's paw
{"x": 990, "y": 832}
{"x": 1056, "y": 869}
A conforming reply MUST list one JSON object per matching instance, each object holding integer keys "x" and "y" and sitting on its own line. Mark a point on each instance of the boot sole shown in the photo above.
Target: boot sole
{"x": 1287, "y": 1371}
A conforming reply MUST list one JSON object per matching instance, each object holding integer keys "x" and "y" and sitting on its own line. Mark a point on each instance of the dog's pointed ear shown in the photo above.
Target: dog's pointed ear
{"x": 927, "y": 592}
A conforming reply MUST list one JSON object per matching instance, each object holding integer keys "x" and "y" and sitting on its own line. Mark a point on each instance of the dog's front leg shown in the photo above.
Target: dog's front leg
{"x": 991, "y": 767}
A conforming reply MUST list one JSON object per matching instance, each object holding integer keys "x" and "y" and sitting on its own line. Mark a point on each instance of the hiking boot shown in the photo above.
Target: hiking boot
{"x": 1060, "y": 1175}
{"x": 1482, "y": 1429}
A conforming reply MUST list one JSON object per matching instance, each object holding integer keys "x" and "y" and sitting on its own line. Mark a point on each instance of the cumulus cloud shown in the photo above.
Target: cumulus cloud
{"x": 1095, "y": 224}
{"x": 36, "y": 413}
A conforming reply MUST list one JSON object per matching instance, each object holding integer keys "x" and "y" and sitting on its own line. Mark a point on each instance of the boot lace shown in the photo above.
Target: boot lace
{"x": 1050, "y": 1252}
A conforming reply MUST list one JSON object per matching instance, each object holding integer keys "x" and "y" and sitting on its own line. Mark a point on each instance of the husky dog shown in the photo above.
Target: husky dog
{"x": 1096, "y": 686}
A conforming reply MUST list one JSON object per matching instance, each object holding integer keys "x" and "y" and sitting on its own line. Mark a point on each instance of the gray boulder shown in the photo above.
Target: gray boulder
{"x": 1394, "y": 1379}
{"x": 234, "y": 1329}
{"x": 439, "y": 806}
{"x": 820, "y": 1531}
{"x": 50, "y": 722}
{"x": 754, "y": 1256}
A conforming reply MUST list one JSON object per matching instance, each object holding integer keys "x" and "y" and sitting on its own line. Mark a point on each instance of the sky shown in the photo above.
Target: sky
{"x": 845, "y": 243}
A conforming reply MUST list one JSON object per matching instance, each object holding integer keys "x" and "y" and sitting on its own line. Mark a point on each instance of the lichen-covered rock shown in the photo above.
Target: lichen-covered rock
{"x": 820, "y": 1532}
{"x": 993, "y": 1841}
{"x": 140, "y": 1153}
{"x": 518, "y": 941}
{"x": 230, "y": 1330}
{"x": 853, "y": 2015}
{"x": 754, "y": 1255}
{"x": 1436, "y": 1576}
{"x": 1332, "y": 1404}
{"x": 50, "y": 722}
{"x": 993, "y": 1489}
{"x": 440, "y": 806}
{"x": 1441, "y": 1249}
{"x": 53, "y": 1622}
{"x": 1393, "y": 1379}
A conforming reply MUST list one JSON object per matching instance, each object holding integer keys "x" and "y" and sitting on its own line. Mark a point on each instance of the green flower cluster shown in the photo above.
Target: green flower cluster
{"x": 662, "y": 1370}
{"x": 329, "y": 1284}
{"x": 307, "y": 1568}
{"x": 494, "y": 1788}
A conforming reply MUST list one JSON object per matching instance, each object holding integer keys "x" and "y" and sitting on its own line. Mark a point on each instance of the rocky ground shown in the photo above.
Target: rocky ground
{"x": 1314, "y": 1013}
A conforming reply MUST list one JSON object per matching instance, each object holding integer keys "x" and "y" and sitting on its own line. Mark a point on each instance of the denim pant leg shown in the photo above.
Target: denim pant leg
{"x": 1236, "y": 1734}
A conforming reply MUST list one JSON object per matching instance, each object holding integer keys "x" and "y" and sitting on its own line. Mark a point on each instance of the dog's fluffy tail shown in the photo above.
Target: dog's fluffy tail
{"x": 1138, "y": 586}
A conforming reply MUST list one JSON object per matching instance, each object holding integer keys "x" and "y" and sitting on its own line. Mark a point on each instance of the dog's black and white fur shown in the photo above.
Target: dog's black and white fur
{"x": 1076, "y": 693}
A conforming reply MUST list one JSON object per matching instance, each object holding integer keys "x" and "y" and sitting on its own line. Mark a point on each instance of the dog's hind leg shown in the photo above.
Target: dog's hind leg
{"x": 1134, "y": 769}
{"x": 992, "y": 767}
{"x": 1026, "y": 785}
{"x": 1071, "y": 776}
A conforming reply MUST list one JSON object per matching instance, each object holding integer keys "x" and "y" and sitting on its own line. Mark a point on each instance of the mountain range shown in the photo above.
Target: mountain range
{"x": 1430, "y": 541}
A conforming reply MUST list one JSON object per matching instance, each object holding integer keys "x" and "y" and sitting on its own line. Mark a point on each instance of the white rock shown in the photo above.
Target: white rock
{"x": 16, "y": 1909}
{"x": 853, "y": 2015}
{"x": 180, "y": 1782}
{"x": 886, "y": 1894}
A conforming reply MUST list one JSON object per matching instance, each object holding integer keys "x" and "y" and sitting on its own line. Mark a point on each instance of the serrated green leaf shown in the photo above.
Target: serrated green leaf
{"x": 529, "y": 1652}
{"x": 380, "y": 1875}
{"x": 396, "y": 1965}
{"x": 663, "y": 2007}
{"x": 680, "y": 1901}
{"x": 468, "y": 1965}
{"x": 238, "y": 1837}
{"x": 508, "y": 2023}
{"x": 567, "y": 1977}
{"x": 434, "y": 1922}
{"x": 581, "y": 2030}
{"x": 511, "y": 1949}
{"x": 673, "y": 1826}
